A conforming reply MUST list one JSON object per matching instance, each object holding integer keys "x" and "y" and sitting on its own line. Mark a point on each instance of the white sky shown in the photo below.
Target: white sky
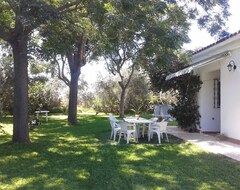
{"x": 199, "y": 38}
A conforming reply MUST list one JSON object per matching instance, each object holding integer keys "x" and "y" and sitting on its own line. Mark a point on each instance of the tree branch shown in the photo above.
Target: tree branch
{"x": 131, "y": 74}
{"x": 113, "y": 60}
{"x": 108, "y": 67}
{"x": 61, "y": 74}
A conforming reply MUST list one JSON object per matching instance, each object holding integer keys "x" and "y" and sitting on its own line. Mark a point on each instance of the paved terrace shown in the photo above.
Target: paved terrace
{"x": 208, "y": 142}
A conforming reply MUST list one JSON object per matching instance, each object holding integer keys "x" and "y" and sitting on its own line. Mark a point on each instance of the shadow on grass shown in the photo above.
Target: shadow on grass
{"x": 83, "y": 157}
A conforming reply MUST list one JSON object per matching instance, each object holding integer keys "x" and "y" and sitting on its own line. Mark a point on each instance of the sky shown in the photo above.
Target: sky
{"x": 199, "y": 38}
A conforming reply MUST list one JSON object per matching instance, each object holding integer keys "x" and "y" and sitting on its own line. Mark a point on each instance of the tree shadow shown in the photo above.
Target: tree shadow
{"x": 83, "y": 157}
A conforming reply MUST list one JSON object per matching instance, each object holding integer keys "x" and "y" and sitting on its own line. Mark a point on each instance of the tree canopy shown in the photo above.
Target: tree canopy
{"x": 18, "y": 19}
{"x": 71, "y": 40}
{"x": 133, "y": 31}
{"x": 209, "y": 15}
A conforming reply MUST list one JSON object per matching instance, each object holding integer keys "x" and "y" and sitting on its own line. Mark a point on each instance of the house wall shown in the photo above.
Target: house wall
{"x": 230, "y": 97}
{"x": 231, "y": 45}
{"x": 210, "y": 116}
{"x": 227, "y": 118}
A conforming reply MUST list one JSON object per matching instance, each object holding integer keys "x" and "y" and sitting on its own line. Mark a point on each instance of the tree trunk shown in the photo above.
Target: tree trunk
{"x": 76, "y": 60}
{"x": 20, "y": 106}
{"x": 122, "y": 102}
{"x": 73, "y": 94}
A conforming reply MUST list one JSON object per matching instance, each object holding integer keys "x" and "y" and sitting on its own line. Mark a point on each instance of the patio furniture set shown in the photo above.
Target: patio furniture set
{"x": 135, "y": 127}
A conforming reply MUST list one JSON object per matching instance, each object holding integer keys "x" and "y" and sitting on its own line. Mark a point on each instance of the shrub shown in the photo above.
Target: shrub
{"x": 60, "y": 109}
{"x": 41, "y": 94}
{"x": 186, "y": 109}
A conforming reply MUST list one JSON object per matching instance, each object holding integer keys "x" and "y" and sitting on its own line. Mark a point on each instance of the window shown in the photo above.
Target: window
{"x": 216, "y": 94}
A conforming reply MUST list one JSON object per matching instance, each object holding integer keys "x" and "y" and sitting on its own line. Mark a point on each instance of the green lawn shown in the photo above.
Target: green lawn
{"x": 83, "y": 157}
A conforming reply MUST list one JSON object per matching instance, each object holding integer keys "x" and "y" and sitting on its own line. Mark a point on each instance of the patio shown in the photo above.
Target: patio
{"x": 208, "y": 142}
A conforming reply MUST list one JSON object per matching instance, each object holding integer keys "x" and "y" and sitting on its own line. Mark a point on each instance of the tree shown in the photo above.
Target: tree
{"x": 106, "y": 95}
{"x": 166, "y": 62}
{"x": 135, "y": 30}
{"x": 85, "y": 94}
{"x": 139, "y": 94}
{"x": 210, "y": 15}
{"x": 18, "y": 19}
{"x": 71, "y": 41}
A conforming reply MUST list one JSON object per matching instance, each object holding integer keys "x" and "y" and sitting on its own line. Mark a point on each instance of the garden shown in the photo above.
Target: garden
{"x": 83, "y": 157}
{"x": 44, "y": 46}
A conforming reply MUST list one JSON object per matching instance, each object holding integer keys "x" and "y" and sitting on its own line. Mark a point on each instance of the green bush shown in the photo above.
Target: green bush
{"x": 186, "y": 110}
{"x": 41, "y": 94}
{"x": 108, "y": 93}
{"x": 61, "y": 109}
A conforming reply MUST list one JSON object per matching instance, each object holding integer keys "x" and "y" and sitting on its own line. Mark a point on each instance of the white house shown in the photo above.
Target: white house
{"x": 218, "y": 66}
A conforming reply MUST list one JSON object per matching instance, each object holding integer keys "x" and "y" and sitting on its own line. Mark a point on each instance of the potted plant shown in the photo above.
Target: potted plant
{"x": 137, "y": 110}
{"x": 160, "y": 119}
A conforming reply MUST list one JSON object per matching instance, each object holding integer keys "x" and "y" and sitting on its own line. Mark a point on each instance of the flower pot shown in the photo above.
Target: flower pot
{"x": 137, "y": 116}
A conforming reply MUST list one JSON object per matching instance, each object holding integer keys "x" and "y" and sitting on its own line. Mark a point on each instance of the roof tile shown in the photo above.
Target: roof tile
{"x": 217, "y": 42}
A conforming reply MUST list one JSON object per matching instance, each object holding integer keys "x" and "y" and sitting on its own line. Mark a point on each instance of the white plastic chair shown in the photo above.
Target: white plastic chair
{"x": 159, "y": 128}
{"x": 163, "y": 129}
{"x": 111, "y": 116}
{"x": 128, "y": 131}
{"x": 154, "y": 119}
{"x": 114, "y": 126}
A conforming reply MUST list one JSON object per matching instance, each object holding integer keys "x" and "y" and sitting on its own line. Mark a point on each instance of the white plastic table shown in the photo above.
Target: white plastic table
{"x": 136, "y": 121}
{"x": 42, "y": 111}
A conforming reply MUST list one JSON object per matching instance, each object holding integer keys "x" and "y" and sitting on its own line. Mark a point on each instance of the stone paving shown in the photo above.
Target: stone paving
{"x": 208, "y": 142}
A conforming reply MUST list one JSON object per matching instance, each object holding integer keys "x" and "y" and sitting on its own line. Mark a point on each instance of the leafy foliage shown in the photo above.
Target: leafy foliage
{"x": 137, "y": 96}
{"x": 107, "y": 96}
{"x": 186, "y": 110}
{"x": 165, "y": 63}
{"x": 2, "y": 113}
{"x": 18, "y": 20}
{"x": 167, "y": 30}
{"x": 170, "y": 61}
{"x": 167, "y": 98}
{"x": 41, "y": 91}
{"x": 43, "y": 94}
{"x": 71, "y": 40}
{"x": 85, "y": 94}
{"x": 184, "y": 88}
{"x": 210, "y": 15}
{"x": 135, "y": 31}
{"x": 6, "y": 78}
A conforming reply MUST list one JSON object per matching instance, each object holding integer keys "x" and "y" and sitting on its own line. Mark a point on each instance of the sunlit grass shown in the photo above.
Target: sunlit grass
{"x": 83, "y": 157}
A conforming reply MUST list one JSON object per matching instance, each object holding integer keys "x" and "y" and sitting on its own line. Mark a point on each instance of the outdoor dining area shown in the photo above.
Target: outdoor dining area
{"x": 133, "y": 128}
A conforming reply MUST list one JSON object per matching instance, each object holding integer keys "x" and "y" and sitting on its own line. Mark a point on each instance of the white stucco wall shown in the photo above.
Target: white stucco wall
{"x": 228, "y": 116}
{"x": 210, "y": 116}
{"x": 230, "y": 97}
{"x": 210, "y": 63}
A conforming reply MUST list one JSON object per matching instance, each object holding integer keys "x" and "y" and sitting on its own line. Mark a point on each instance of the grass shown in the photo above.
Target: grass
{"x": 83, "y": 157}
